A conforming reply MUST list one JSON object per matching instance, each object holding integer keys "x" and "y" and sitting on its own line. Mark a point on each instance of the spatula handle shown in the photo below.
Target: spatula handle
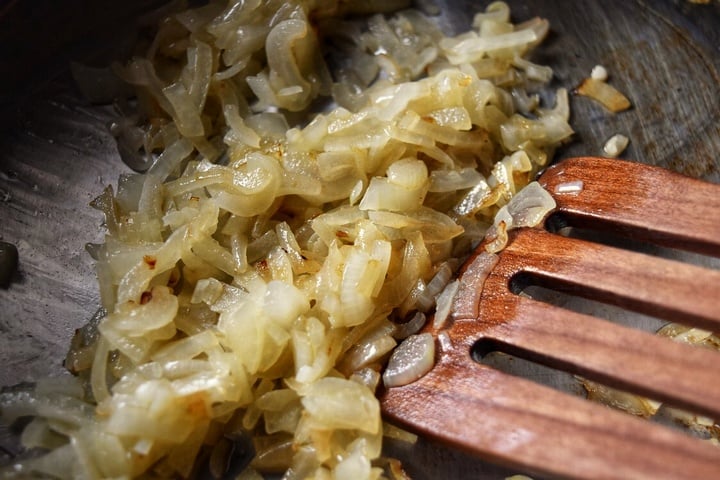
{"x": 515, "y": 422}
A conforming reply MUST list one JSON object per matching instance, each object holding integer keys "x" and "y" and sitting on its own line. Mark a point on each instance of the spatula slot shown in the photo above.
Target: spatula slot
{"x": 560, "y": 224}
{"x": 595, "y": 392}
{"x": 519, "y": 366}
{"x": 528, "y": 285}
{"x": 491, "y": 354}
{"x": 666, "y": 289}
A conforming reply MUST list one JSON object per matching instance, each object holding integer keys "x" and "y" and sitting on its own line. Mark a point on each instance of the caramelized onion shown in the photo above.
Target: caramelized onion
{"x": 603, "y": 92}
{"x": 254, "y": 274}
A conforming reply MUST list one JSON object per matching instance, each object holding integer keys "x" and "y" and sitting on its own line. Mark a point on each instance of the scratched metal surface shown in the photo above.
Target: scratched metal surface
{"x": 56, "y": 153}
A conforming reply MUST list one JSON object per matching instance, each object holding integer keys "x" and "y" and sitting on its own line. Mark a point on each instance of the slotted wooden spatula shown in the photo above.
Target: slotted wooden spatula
{"x": 521, "y": 424}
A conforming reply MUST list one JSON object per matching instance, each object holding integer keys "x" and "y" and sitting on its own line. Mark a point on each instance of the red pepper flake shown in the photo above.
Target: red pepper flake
{"x": 174, "y": 278}
{"x": 145, "y": 297}
{"x": 261, "y": 266}
{"x": 341, "y": 234}
{"x": 150, "y": 261}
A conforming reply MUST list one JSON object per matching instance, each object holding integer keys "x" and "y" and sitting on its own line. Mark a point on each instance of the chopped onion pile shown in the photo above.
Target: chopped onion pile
{"x": 261, "y": 271}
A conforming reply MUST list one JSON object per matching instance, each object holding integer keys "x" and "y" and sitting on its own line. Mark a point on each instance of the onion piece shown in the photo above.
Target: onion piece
{"x": 98, "y": 374}
{"x": 338, "y": 403}
{"x": 411, "y": 327}
{"x": 445, "y": 342}
{"x": 368, "y": 377}
{"x": 471, "y": 49}
{"x": 495, "y": 12}
{"x": 397, "y": 433}
{"x": 412, "y": 359}
{"x": 426, "y": 294}
{"x": 603, "y": 92}
{"x": 615, "y": 145}
{"x": 599, "y": 73}
{"x": 497, "y": 237}
{"x": 527, "y": 209}
{"x": 628, "y": 402}
{"x": 530, "y": 206}
{"x": 454, "y": 180}
{"x": 367, "y": 352}
{"x": 444, "y": 304}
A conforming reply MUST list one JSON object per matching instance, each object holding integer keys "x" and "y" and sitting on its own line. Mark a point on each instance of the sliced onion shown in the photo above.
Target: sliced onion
{"x": 468, "y": 50}
{"x": 381, "y": 194}
{"x": 428, "y": 293}
{"x": 615, "y": 145}
{"x": 98, "y": 374}
{"x": 530, "y": 206}
{"x": 412, "y": 359}
{"x": 444, "y": 341}
{"x": 498, "y": 237}
{"x": 367, "y": 352}
{"x": 540, "y": 73}
{"x": 496, "y": 12}
{"x": 603, "y": 92}
{"x": 526, "y": 209}
{"x": 408, "y": 173}
{"x": 411, "y": 327}
{"x": 397, "y": 433}
{"x": 444, "y": 304}
{"x": 186, "y": 113}
{"x": 628, "y": 402}
{"x": 286, "y": 66}
{"x": 338, "y": 403}
{"x": 368, "y": 377}
{"x": 467, "y": 299}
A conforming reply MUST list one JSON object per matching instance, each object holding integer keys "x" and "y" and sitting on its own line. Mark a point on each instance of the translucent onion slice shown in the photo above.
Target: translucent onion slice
{"x": 473, "y": 48}
{"x": 411, "y": 327}
{"x": 628, "y": 402}
{"x": 337, "y": 403}
{"x": 412, "y": 359}
{"x": 444, "y": 304}
{"x": 530, "y": 206}
{"x": 603, "y": 92}
{"x": 495, "y": 12}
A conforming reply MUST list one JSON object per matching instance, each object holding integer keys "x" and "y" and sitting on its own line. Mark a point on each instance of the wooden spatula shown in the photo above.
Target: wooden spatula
{"x": 516, "y": 422}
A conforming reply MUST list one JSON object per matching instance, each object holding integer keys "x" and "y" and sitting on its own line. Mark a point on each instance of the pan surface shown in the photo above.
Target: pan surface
{"x": 56, "y": 153}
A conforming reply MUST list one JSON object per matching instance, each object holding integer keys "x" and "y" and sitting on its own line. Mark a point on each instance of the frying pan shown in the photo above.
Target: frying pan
{"x": 56, "y": 153}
